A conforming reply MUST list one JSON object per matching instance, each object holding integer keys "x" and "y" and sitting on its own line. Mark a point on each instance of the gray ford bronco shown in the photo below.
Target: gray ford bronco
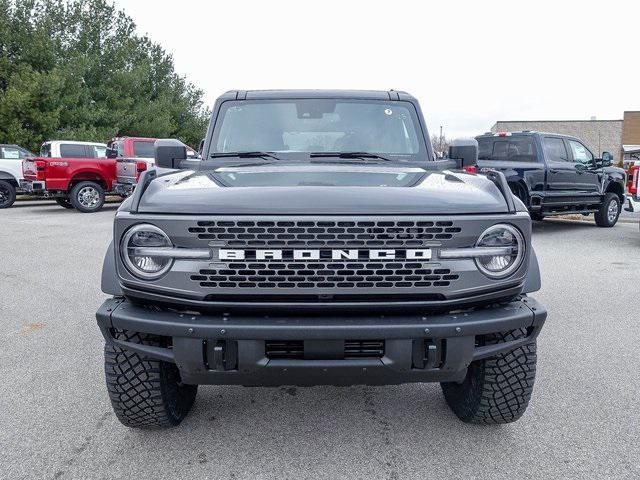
{"x": 319, "y": 242}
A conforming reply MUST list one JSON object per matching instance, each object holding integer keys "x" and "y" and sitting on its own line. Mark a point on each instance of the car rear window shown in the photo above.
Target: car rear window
{"x": 143, "y": 149}
{"x": 511, "y": 149}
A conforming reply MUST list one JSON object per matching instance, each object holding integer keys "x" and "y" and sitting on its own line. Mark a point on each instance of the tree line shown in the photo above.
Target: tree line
{"x": 77, "y": 69}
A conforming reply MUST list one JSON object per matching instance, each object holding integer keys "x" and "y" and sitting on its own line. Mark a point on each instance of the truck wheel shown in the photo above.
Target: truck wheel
{"x": 64, "y": 202}
{"x": 7, "y": 194}
{"x": 497, "y": 389}
{"x": 87, "y": 197}
{"x": 609, "y": 211}
{"x": 145, "y": 393}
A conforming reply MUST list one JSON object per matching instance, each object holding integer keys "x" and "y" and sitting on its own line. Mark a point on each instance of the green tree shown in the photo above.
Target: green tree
{"x": 77, "y": 69}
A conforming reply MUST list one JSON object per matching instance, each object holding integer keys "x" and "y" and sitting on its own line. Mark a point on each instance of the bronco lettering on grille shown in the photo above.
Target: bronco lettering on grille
{"x": 317, "y": 254}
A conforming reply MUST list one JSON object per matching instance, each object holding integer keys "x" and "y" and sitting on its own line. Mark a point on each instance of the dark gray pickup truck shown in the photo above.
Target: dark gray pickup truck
{"x": 319, "y": 242}
{"x": 555, "y": 174}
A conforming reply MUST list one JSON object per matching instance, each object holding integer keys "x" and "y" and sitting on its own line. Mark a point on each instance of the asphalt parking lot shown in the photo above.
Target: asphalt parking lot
{"x": 56, "y": 421}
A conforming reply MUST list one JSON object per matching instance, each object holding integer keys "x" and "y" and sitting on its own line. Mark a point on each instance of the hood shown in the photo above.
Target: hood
{"x": 321, "y": 189}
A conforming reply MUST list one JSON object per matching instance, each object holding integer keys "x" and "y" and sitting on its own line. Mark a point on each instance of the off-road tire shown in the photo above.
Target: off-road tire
{"x": 64, "y": 202}
{"x": 145, "y": 393}
{"x": 497, "y": 389}
{"x": 7, "y": 194}
{"x": 83, "y": 205}
{"x": 602, "y": 216}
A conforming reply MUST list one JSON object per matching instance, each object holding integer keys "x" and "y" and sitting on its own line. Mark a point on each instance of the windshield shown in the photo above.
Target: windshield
{"x": 319, "y": 125}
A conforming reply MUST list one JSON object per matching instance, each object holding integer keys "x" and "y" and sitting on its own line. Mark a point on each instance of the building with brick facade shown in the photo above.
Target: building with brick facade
{"x": 631, "y": 137}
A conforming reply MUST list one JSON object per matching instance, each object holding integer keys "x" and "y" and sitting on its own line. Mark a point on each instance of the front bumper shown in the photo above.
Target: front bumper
{"x": 232, "y": 349}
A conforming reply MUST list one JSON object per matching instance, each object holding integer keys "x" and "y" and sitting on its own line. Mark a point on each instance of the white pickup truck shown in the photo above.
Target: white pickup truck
{"x": 11, "y": 172}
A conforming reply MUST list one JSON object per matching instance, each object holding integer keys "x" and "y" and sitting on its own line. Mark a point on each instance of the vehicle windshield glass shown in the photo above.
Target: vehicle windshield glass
{"x": 388, "y": 128}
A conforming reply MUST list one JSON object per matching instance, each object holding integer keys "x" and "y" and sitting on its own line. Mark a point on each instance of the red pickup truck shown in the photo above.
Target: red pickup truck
{"x": 76, "y": 174}
{"x": 133, "y": 155}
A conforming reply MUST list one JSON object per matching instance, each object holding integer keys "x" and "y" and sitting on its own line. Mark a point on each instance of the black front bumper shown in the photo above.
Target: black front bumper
{"x": 234, "y": 349}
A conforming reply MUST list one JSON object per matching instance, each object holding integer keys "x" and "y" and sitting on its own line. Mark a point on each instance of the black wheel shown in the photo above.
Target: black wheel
{"x": 64, "y": 202}
{"x": 7, "y": 194}
{"x": 145, "y": 393}
{"x": 609, "y": 212}
{"x": 87, "y": 197}
{"x": 497, "y": 389}
{"x": 536, "y": 216}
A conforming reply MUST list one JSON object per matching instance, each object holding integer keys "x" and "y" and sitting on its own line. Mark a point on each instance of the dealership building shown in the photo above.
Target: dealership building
{"x": 621, "y": 138}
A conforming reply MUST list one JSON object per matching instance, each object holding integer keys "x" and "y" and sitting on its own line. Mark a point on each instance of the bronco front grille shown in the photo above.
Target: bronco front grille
{"x": 324, "y": 275}
{"x": 303, "y": 233}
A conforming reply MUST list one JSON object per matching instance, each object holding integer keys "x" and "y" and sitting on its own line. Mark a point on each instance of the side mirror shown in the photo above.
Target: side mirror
{"x": 607, "y": 159}
{"x": 112, "y": 153}
{"x": 581, "y": 167}
{"x": 168, "y": 153}
{"x": 464, "y": 151}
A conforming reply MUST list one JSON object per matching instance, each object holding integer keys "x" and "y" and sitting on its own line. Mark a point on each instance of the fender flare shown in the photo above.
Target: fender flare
{"x": 88, "y": 171}
{"x": 532, "y": 282}
{"x": 8, "y": 176}
{"x": 109, "y": 283}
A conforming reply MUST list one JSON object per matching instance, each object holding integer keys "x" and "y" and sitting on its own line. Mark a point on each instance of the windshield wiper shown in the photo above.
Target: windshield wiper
{"x": 362, "y": 155}
{"x": 244, "y": 155}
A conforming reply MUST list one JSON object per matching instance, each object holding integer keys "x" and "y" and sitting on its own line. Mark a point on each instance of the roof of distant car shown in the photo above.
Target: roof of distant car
{"x": 75, "y": 142}
{"x": 523, "y": 132}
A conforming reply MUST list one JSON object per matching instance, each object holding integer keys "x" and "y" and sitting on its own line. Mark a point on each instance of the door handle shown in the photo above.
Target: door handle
{"x": 554, "y": 170}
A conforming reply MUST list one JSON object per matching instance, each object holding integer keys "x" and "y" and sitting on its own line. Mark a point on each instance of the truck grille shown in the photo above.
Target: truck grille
{"x": 324, "y": 275}
{"x": 300, "y": 234}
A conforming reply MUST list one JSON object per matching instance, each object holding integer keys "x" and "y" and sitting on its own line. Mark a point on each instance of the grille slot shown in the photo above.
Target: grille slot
{"x": 294, "y": 349}
{"x": 318, "y": 234}
{"x": 284, "y": 349}
{"x": 363, "y": 348}
{"x": 363, "y": 274}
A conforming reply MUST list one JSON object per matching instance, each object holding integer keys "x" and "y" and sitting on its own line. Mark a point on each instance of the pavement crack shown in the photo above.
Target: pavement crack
{"x": 392, "y": 454}
{"x": 79, "y": 450}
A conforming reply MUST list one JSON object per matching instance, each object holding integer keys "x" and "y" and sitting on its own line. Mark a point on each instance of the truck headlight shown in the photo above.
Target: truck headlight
{"x": 504, "y": 238}
{"x": 137, "y": 248}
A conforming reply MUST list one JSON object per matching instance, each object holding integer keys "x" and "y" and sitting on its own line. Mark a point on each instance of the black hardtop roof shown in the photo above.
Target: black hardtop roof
{"x": 349, "y": 94}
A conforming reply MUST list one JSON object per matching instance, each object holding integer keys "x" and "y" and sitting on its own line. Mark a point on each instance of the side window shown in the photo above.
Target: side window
{"x": 143, "y": 149}
{"x": 10, "y": 153}
{"x": 554, "y": 149}
{"x": 70, "y": 150}
{"x": 100, "y": 151}
{"x": 45, "y": 150}
{"x": 579, "y": 152}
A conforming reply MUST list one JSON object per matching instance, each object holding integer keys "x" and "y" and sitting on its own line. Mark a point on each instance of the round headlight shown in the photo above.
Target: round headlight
{"x": 139, "y": 262}
{"x": 503, "y": 265}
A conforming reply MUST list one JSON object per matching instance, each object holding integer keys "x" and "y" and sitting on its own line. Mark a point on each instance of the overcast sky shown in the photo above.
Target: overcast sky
{"x": 469, "y": 63}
